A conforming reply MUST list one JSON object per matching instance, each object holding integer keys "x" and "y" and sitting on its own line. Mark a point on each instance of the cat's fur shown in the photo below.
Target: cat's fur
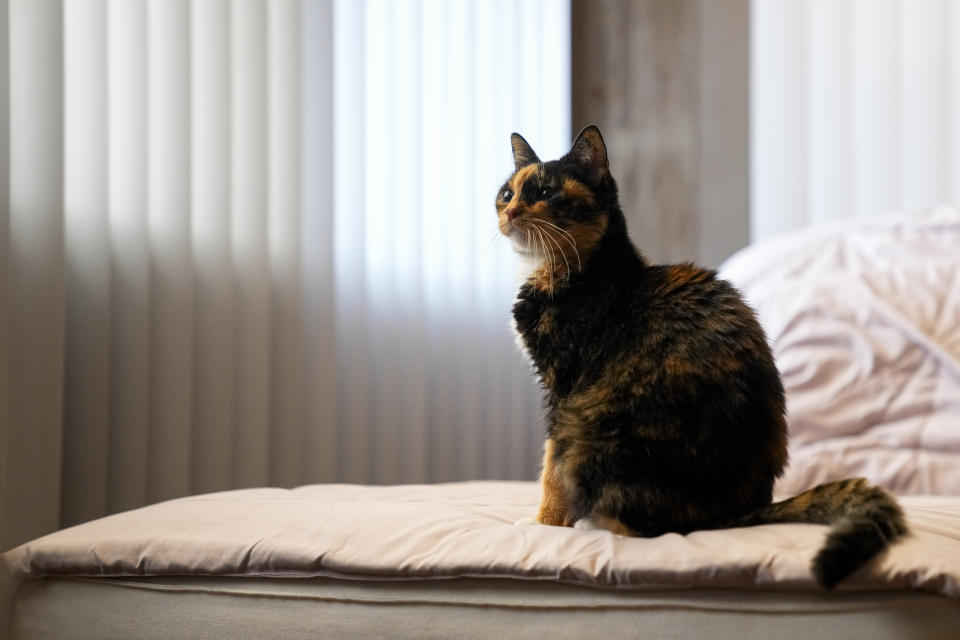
{"x": 665, "y": 409}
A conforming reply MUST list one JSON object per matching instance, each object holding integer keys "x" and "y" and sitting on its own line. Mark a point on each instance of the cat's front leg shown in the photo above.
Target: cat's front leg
{"x": 554, "y": 505}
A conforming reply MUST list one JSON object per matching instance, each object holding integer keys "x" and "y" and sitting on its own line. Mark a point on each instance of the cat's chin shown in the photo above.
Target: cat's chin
{"x": 523, "y": 252}
{"x": 529, "y": 259}
{"x": 519, "y": 248}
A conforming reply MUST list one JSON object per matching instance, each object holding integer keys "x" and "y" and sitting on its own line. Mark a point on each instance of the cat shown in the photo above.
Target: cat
{"x": 665, "y": 410}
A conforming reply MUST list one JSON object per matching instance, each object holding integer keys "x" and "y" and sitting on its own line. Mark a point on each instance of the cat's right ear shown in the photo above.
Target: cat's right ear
{"x": 523, "y": 153}
{"x": 589, "y": 151}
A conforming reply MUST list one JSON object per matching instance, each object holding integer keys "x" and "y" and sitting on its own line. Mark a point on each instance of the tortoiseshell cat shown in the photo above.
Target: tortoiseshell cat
{"x": 665, "y": 409}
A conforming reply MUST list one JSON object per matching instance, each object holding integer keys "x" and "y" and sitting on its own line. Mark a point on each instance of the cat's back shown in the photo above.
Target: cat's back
{"x": 694, "y": 329}
{"x": 686, "y": 287}
{"x": 677, "y": 300}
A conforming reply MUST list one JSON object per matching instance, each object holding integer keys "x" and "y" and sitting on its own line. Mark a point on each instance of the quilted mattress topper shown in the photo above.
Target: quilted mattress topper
{"x": 464, "y": 530}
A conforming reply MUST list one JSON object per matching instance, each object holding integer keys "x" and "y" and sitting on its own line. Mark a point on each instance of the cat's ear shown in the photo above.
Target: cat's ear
{"x": 590, "y": 151}
{"x": 523, "y": 153}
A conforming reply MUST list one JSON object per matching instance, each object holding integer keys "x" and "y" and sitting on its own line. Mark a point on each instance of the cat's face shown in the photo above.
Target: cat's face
{"x": 554, "y": 211}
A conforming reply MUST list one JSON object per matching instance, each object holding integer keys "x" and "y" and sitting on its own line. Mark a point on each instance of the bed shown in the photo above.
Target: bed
{"x": 865, "y": 322}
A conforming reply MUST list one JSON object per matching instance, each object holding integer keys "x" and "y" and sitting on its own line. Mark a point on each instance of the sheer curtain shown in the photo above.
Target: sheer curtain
{"x": 251, "y": 242}
{"x": 855, "y": 109}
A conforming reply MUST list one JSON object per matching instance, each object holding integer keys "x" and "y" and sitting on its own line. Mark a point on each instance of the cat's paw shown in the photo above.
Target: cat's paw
{"x": 523, "y": 521}
{"x": 586, "y": 524}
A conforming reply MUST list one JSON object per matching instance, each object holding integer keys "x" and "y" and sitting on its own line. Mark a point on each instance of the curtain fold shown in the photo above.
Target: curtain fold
{"x": 252, "y": 243}
{"x": 86, "y": 392}
{"x": 129, "y": 250}
{"x": 35, "y": 268}
{"x": 853, "y": 109}
{"x": 5, "y": 430}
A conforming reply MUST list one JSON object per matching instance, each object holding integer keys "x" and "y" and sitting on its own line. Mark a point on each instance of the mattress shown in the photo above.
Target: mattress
{"x": 210, "y": 608}
{"x": 449, "y": 560}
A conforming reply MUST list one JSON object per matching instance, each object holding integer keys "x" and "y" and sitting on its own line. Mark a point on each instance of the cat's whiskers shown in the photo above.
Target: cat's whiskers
{"x": 534, "y": 242}
{"x": 541, "y": 247}
{"x": 546, "y": 252}
{"x": 544, "y": 232}
{"x": 569, "y": 239}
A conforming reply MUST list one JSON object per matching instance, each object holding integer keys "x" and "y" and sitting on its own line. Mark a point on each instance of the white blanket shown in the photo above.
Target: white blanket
{"x": 464, "y": 529}
{"x": 864, "y": 319}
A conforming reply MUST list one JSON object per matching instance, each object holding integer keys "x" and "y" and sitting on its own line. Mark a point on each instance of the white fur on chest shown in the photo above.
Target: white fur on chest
{"x": 527, "y": 264}
{"x": 518, "y": 338}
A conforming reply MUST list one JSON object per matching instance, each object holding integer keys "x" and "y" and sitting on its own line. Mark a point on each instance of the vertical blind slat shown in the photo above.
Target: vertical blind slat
{"x": 214, "y": 354}
{"x": 36, "y": 270}
{"x": 321, "y": 369}
{"x": 379, "y": 88}
{"x": 349, "y": 256}
{"x": 249, "y": 238}
{"x": 408, "y": 234}
{"x": 925, "y": 94}
{"x": 876, "y": 106}
{"x": 86, "y": 423}
{"x": 5, "y": 483}
{"x": 829, "y": 107}
{"x": 462, "y": 256}
{"x": 778, "y": 129}
{"x": 284, "y": 126}
{"x": 441, "y": 442}
{"x": 130, "y": 255}
{"x": 172, "y": 287}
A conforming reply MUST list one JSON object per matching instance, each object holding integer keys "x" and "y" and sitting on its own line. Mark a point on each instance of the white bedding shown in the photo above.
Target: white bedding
{"x": 219, "y": 566}
{"x": 864, "y": 319}
{"x": 465, "y": 530}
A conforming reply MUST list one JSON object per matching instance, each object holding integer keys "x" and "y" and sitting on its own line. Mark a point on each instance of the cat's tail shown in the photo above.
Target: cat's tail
{"x": 863, "y": 520}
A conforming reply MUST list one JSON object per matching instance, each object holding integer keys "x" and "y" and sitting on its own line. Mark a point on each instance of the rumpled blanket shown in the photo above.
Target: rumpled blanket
{"x": 864, "y": 320}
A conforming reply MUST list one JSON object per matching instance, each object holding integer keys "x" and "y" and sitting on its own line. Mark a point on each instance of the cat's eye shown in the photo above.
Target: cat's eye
{"x": 546, "y": 193}
{"x": 506, "y": 195}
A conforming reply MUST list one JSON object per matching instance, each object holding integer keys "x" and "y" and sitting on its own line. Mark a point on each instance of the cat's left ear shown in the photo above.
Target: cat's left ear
{"x": 523, "y": 153}
{"x": 590, "y": 151}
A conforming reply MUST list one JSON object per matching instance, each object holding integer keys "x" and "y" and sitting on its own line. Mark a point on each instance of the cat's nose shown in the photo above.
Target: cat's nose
{"x": 511, "y": 213}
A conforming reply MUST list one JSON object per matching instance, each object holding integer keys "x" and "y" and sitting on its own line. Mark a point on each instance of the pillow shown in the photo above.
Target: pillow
{"x": 864, "y": 321}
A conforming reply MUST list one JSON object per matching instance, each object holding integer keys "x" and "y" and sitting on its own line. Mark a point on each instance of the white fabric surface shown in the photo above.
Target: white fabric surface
{"x": 864, "y": 320}
{"x": 465, "y": 530}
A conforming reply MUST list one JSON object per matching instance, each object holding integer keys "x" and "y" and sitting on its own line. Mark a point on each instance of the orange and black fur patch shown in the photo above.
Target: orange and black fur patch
{"x": 665, "y": 408}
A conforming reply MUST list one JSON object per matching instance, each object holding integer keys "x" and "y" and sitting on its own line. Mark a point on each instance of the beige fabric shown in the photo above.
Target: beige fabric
{"x": 242, "y": 608}
{"x": 464, "y": 529}
{"x": 865, "y": 325}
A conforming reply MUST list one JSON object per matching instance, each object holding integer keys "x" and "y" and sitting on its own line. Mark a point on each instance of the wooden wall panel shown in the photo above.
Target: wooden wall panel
{"x": 656, "y": 76}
